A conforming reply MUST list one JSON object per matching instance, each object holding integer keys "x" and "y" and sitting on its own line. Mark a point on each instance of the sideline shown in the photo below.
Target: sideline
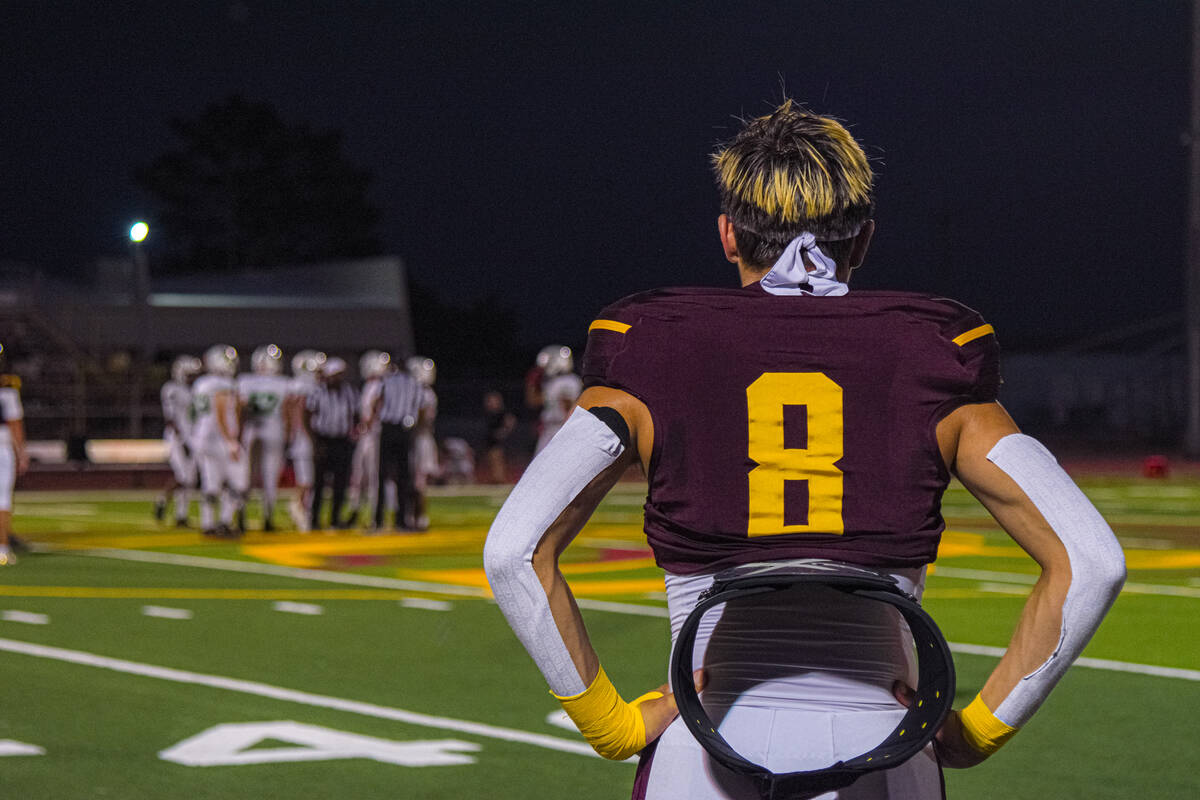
{"x": 294, "y": 696}
{"x": 604, "y": 605}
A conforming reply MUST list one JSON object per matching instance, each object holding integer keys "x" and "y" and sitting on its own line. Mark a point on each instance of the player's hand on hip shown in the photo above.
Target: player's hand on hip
{"x": 951, "y": 746}
{"x": 660, "y": 711}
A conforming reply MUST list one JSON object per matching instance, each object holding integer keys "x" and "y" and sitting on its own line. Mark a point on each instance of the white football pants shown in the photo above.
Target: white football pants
{"x": 270, "y": 464}
{"x": 223, "y": 477}
{"x": 796, "y": 681}
{"x": 363, "y": 488}
{"x": 424, "y": 460}
{"x": 8, "y": 476}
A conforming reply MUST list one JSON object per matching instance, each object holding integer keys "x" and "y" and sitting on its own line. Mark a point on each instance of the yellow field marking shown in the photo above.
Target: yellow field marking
{"x": 459, "y": 577}
{"x": 175, "y": 593}
{"x": 313, "y": 550}
{"x": 132, "y": 542}
{"x": 958, "y": 543}
{"x": 1162, "y": 559}
{"x": 619, "y": 565}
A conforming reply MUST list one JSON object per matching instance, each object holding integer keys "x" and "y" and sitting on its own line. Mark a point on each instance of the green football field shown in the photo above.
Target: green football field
{"x": 138, "y": 661}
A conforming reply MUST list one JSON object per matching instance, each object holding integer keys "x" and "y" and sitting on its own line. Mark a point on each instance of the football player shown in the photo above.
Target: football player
{"x": 793, "y": 418}
{"x": 364, "y": 470}
{"x": 224, "y": 473}
{"x": 177, "y": 433}
{"x": 14, "y": 459}
{"x": 560, "y": 387}
{"x": 305, "y": 366}
{"x": 424, "y": 453}
{"x": 262, "y": 395}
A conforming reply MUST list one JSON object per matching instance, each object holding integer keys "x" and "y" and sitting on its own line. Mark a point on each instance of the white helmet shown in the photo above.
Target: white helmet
{"x": 221, "y": 359}
{"x": 373, "y": 364}
{"x": 309, "y": 361}
{"x": 267, "y": 360}
{"x": 184, "y": 368}
{"x": 555, "y": 359}
{"x": 423, "y": 369}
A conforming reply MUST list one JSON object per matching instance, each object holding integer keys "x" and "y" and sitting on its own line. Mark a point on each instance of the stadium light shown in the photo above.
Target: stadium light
{"x": 139, "y": 232}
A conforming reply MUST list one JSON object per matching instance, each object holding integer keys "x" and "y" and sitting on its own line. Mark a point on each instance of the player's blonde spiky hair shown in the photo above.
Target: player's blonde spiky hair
{"x": 788, "y": 172}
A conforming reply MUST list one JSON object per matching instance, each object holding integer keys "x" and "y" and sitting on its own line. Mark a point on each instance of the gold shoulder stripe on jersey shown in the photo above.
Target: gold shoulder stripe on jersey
{"x": 973, "y": 334}
{"x": 608, "y": 325}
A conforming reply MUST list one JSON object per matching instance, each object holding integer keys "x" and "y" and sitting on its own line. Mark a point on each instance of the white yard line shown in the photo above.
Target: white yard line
{"x": 307, "y": 609}
{"x": 1092, "y": 663}
{"x": 165, "y": 612}
{"x": 293, "y": 696}
{"x": 1161, "y": 589}
{"x": 258, "y": 568}
{"x": 635, "y": 608}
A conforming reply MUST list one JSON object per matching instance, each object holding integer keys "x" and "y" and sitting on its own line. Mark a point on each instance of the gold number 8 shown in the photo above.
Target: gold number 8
{"x": 816, "y": 463}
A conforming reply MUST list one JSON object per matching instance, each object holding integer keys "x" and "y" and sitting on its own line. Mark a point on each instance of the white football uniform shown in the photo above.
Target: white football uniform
{"x": 364, "y": 468}
{"x": 263, "y": 397}
{"x": 424, "y": 453}
{"x": 10, "y": 411}
{"x": 791, "y": 690}
{"x": 220, "y": 473}
{"x": 177, "y": 410}
{"x": 301, "y": 449}
{"x": 558, "y": 396}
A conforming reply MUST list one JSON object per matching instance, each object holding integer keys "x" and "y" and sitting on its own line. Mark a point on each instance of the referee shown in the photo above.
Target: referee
{"x": 397, "y": 408}
{"x": 332, "y": 407}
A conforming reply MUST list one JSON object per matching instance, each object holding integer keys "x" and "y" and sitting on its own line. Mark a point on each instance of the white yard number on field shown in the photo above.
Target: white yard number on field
{"x": 234, "y": 744}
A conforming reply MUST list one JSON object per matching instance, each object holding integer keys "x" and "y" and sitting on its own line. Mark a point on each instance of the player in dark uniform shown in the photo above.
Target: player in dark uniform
{"x": 792, "y": 419}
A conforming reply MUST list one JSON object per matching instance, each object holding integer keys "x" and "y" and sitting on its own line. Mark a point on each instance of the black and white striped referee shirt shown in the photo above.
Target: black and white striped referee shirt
{"x": 333, "y": 410}
{"x": 401, "y": 400}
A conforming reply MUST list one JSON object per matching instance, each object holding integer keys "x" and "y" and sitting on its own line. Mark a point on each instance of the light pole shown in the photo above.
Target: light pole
{"x": 141, "y": 298}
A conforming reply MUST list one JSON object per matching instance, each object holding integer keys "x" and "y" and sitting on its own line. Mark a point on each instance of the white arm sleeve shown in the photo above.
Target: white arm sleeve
{"x": 582, "y": 449}
{"x": 10, "y": 405}
{"x": 1097, "y": 564}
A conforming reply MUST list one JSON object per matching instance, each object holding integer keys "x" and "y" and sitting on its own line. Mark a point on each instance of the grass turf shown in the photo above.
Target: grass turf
{"x": 1103, "y": 733}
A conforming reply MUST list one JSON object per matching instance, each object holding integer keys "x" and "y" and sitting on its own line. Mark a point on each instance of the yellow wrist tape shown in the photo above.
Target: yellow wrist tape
{"x": 615, "y": 729}
{"x": 982, "y": 729}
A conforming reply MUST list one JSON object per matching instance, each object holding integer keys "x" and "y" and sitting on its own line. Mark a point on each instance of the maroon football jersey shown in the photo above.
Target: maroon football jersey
{"x": 793, "y": 426}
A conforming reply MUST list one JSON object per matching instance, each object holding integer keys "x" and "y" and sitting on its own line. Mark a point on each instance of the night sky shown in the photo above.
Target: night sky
{"x": 1030, "y": 155}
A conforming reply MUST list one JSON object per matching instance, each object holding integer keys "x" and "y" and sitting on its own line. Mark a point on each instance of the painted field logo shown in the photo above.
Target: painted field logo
{"x": 234, "y": 744}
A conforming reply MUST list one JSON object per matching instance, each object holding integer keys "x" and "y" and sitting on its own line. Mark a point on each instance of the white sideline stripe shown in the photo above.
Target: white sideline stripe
{"x": 621, "y": 608}
{"x": 165, "y": 612}
{"x": 291, "y": 607}
{"x": 294, "y": 696}
{"x": 259, "y": 568}
{"x": 28, "y": 617}
{"x": 1164, "y": 589}
{"x": 425, "y": 604}
{"x": 1091, "y": 663}
{"x": 11, "y": 747}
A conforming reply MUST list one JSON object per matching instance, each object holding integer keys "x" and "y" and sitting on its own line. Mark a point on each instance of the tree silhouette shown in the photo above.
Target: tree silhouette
{"x": 245, "y": 189}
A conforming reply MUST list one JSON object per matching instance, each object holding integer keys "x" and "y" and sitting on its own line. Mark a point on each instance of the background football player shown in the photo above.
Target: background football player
{"x": 224, "y": 472}
{"x": 262, "y": 396}
{"x": 424, "y": 451}
{"x": 305, "y": 366}
{"x": 560, "y": 387}
{"x": 791, "y": 418}
{"x": 14, "y": 459}
{"x": 177, "y": 433}
{"x": 364, "y": 468}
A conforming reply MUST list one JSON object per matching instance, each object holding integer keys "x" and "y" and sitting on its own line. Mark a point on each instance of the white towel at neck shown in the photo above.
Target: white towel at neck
{"x": 791, "y": 274}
